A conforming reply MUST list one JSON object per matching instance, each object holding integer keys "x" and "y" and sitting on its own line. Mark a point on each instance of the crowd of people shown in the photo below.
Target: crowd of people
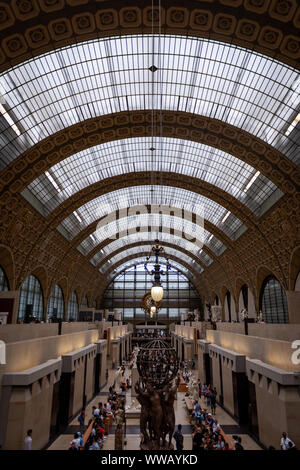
{"x": 185, "y": 367}
{"x": 113, "y": 407}
{"x": 155, "y": 334}
{"x": 207, "y": 434}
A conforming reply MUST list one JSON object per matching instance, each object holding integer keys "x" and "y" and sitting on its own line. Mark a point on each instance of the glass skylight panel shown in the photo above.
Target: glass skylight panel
{"x": 215, "y": 245}
{"x": 147, "y": 195}
{"x": 133, "y": 155}
{"x": 145, "y": 249}
{"x": 140, "y": 260}
{"x": 205, "y": 257}
{"x": 109, "y": 75}
{"x": 127, "y": 226}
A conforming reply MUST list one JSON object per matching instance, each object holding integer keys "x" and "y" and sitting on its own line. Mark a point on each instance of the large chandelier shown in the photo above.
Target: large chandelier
{"x": 157, "y": 291}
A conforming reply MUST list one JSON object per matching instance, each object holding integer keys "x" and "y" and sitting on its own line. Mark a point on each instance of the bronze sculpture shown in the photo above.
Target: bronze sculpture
{"x": 168, "y": 397}
{"x": 143, "y": 398}
{"x": 156, "y": 391}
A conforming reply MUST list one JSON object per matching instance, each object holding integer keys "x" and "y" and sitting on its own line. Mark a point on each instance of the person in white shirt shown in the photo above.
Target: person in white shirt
{"x": 96, "y": 412}
{"x": 216, "y": 427}
{"x": 286, "y": 443}
{"x": 108, "y": 408}
{"x": 76, "y": 441}
{"x": 28, "y": 440}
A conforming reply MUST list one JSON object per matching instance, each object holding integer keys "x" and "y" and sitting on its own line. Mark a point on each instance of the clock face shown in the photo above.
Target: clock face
{"x": 147, "y": 303}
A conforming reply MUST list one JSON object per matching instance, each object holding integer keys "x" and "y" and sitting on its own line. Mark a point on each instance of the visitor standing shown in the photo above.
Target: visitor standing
{"x": 28, "y": 440}
{"x": 197, "y": 438}
{"x": 285, "y": 442}
{"x": 81, "y": 419}
{"x": 178, "y": 436}
{"x": 213, "y": 399}
{"x": 238, "y": 443}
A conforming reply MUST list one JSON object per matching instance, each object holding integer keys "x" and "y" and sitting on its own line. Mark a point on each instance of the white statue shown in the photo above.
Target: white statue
{"x": 118, "y": 379}
{"x": 259, "y": 318}
{"x": 243, "y": 314}
{"x": 193, "y": 388}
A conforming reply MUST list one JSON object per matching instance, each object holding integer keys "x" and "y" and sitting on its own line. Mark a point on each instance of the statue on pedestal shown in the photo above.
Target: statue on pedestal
{"x": 118, "y": 379}
{"x": 157, "y": 365}
{"x": 119, "y": 432}
{"x": 193, "y": 389}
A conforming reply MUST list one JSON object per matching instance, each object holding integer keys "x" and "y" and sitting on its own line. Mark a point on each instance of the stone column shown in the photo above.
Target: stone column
{"x": 115, "y": 355}
{"x": 277, "y": 396}
{"x": 26, "y": 403}
{"x": 187, "y": 349}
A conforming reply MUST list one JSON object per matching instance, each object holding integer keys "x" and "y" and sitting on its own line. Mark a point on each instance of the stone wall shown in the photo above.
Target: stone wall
{"x": 274, "y": 352}
{"x": 284, "y": 332}
{"x": 25, "y": 354}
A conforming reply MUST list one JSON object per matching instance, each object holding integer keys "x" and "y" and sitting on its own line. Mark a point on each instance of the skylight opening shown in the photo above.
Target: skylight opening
{"x": 293, "y": 125}
{"x": 9, "y": 120}
{"x": 77, "y": 216}
{"x": 225, "y": 217}
{"x": 252, "y": 181}
{"x": 52, "y": 180}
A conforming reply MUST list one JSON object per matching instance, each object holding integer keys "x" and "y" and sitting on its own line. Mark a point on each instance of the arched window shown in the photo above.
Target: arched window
{"x": 126, "y": 291}
{"x": 31, "y": 299}
{"x": 3, "y": 280}
{"x": 273, "y": 302}
{"x": 217, "y": 300}
{"x": 95, "y": 304}
{"x": 55, "y": 307}
{"x": 84, "y": 302}
{"x": 72, "y": 312}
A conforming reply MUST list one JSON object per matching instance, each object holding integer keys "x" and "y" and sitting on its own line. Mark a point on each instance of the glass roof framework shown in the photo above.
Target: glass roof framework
{"x": 151, "y": 195}
{"x": 133, "y": 155}
{"x": 147, "y": 236}
{"x": 195, "y": 233}
{"x": 140, "y": 261}
{"x": 145, "y": 248}
{"x": 53, "y": 91}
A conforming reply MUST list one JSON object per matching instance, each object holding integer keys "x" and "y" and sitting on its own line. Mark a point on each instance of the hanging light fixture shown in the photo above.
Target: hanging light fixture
{"x": 152, "y": 310}
{"x": 157, "y": 291}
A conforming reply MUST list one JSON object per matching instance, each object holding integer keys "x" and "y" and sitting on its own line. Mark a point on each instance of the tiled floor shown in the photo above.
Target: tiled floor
{"x": 132, "y": 437}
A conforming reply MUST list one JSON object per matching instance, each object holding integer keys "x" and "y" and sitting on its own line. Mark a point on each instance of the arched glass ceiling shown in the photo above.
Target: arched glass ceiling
{"x": 238, "y": 86}
{"x": 155, "y": 195}
{"x": 133, "y": 155}
{"x": 137, "y": 250}
{"x": 148, "y": 236}
{"x": 195, "y": 233}
{"x": 141, "y": 261}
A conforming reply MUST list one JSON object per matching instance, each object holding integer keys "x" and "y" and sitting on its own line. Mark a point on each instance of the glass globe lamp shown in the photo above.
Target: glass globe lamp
{"x": 157, "y": 293}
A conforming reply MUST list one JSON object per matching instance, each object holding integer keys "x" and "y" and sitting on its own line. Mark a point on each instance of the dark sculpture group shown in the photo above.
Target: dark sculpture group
{"x": 157, "y": 419}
